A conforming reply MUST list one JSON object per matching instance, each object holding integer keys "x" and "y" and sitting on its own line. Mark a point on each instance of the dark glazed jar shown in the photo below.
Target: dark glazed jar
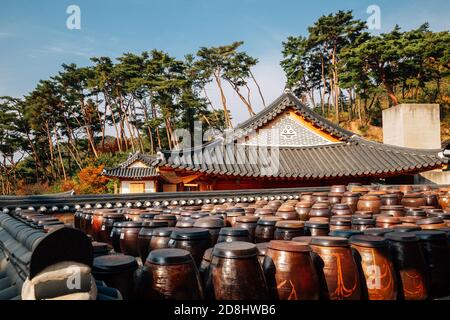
{"x": 316, "y": 228}
{"x": 363, "y": 224}
{"x": 302, "y": 209}
{"x": 205, "y": 275}
{"x": 116, "y": 271}
{"x": 107, "y": 225}
{"x": 174, "y": 275}
{"x": 265, "y": 229}
{"x": 341, "y": 209}
{"x": 376, "y": 266}
{"x": 115, "y": 236}
{"x": 194, "y": 240}
{"x": 350, "y": 198}
{"x": 369, "y": 203}
{"x": 410, "y": 265}
{"x": 334, "y": 197}
{"x": 97, "y": 222}
{"x": 236, "y": 273}
{"x": 390, "y": 199}
{"x": 99, "y": 249}
{"x": 380, "y": 232}
{"x": 249, "y": 223}
{"x": 169, "y": 218}
{"x": 88, "y": 222}
{"x": 145, "y": 235}
{"x": 320, "y": 210}
{"x": 431, "y": 199}
{"x": 435, "y": 248}
{"x": 340, "y": 224}
{"x": 288, "y": 229}
{"x": 212, "y": 224}
{"x": 290, "y": 272}
{"x": 414, "y": 200}
{"x": 232, "y": 214}
{"x": 77, "y": 219}
{"x": 229, "y": 234}
{"x": 261, "y": 212}
{"x": 432, "y": 223}
{"x": 340, "y": 269}
{"x": 160, "y": 238}
{"x": 393, "y": 210}
{"x": 129, "y": 238}
{"x": 185, "y": 223}
{"x": 345, "y": 233}
{"x": 387, "y": 221}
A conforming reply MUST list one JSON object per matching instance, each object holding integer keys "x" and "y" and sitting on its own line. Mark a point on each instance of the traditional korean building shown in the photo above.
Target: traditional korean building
{"x": 284, "y": 145}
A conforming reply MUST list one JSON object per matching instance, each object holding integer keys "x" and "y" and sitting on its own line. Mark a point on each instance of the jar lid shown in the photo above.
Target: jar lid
{"x": 190, "y": 234}
{"x": 321, "y": 205}
{"x": 185, "y": 223}
{"x": 290, "y": 246}
{"x": 209, "y": 222}
{"x": 378, "y": 231}
{"x": 401, "y": 236}
{"x": 198, "y": 215}
{"x": 163, "y": 232}
{"x": 329, "y": 241}
{"x": 268, "y": 221}
{"x": 388, "y": 219}
{"x": 341, "y": 206}
{"x": 431, "y": 235}
{"x": 431, "y": 220}
{"x": 317, "y": 224}
{"x": 402, "y": 228}
{"x": 228, "y": 231}
{"x": 235, "y": 210}
{"x": 154, "y": 224}
{"x": 114, "y": 263}
{"x": 235, "y": 250}
{"x": 286, "y": 208}
{"x": 148, "y": 215}
{"x": 368, "y": 241}
{"x": 363, "y": 221}
{"x": 290, "y": 224}
{"x": 131, "y": 224}
{"x": 113, "y": 215}
{"x": 169, "y": 256}
{"x": 247, "y": 219}
{"x": 345, "y": 233}
{"x": 165, "y": 217}
{"x": 304, "y": 239}
{"x": 338, "y": 222}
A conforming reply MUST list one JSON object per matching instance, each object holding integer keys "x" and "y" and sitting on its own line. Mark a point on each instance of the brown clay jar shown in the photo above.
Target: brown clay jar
{"x": 392, "y": 210}
{"x": 249, "y": 223}
{"x": 288, "y": 229}
{"x": 205, "y": 274}
{"x": 302, "y": 209}
{"x": 320, "y": 210}
{"x": 265, "y": 229}
{"x": 88, "y": 222}
{"x": 194, "y": 240}
{"x": 341, "y": 209}
{"x": 369, "y": 203}
{"x": 414, "y": 200}
{"x": 390, "y": 199}
{"x": 97, "y": 222}
{"x": 377, "y": 268}
{"x": 236, "y": 273}
{"x": 231, "y": 216}
{"x": 117, "y": 271}
{"x": 174, "y": 275}
{"x": 387, "y": 221}
{"x": 107, "y": 225}
{"x": 444, "y": 200}
{"x": 338, "y": 188}
{"x": 212, "y": 224}
{"x": 431, "y": 199}
{"x": 129, "y": 238}
{"x": 363, "y": 224}
{"x": 340, "y": 224}
{"x": 410, "y": 265}
{"x": 262, "y": 249}
{"x": 334, "y": 197}
{"x": 320, "y": 196}
{"x": 340, "y": 269}
{"x": 169, "y": 218}
{"x": 115, "y": 235}
{"x": 145, "y": 235}
{"x": 431, "y": 223}
{"x": 287, "y": 213}
{"x": 160, "y": 238}
{"x": 351, "y": 198}
{"x": 261, "y": 212}
{"x": 77, "y": 219}
{"x": 290, "y": 272}
{"x": 317, "y": 228}
{"x": 229, "y": 234}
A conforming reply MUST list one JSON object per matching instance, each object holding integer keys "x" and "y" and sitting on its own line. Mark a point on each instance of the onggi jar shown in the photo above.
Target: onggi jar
{"x": 340, "y": 269}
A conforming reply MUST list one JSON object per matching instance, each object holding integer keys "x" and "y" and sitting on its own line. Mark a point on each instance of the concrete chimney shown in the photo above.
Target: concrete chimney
{"x": 412, "y": 126}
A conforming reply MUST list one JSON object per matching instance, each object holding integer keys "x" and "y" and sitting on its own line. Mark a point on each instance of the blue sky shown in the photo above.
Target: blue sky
{"x": 34, "y": 40}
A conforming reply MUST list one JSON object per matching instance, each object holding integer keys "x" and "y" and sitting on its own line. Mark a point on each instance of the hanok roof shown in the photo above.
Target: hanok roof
{"x": 348, "y": 156}
{"x": 125, "y": 171}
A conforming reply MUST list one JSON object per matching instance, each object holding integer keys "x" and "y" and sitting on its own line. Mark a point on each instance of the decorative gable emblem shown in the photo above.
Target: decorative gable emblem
{"x": 288, "y": 132}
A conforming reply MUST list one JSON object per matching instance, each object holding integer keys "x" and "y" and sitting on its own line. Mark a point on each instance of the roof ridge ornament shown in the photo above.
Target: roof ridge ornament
{"x": 287, "y": 90}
